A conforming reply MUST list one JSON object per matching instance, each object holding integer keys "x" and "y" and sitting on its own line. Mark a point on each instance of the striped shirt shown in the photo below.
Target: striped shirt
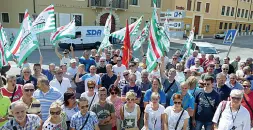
{"x": 78, "y": 120}
{"x": 46, "y": 99}
{"x": 34, "y": 107}
{"x": 32, "y": 123}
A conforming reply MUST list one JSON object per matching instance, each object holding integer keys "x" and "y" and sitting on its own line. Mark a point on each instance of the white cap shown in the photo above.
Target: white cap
{"x": 136, "y": 60}
{"x": 73, "y": 61}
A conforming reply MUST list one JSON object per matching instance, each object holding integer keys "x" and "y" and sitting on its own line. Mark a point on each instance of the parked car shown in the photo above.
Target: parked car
{"x": 220, "y": 35}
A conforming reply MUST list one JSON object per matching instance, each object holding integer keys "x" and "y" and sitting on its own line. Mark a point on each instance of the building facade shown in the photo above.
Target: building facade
{"x": 207, "y": 16}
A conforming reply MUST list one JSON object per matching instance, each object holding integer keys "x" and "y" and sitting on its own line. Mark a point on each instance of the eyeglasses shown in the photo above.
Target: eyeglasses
{"x": 131, "y": 65}
{"x": 55, "y": 113}
{"x": 179, "y": 103}
{"x": 236, "y": 98}
{"x": 132, "y": 99}
{"x": 112, "y": 93}
{"x": 27, "y": 90}
{"x": 246, "y": 86}
{"x": 125, "y": 74}
{"x": 90, "y": 87}
{"x": 83, "y": 107}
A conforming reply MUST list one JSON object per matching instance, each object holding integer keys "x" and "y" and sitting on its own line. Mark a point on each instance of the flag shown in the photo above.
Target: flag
{"x": 5, "y": 41}
{"x": 151, "y": 61}
{"x": 45, "y": 22}
{"x": 107, "y": 31}
{"x": 133, "y": 29}
{"x": 127, "y": 56}
{"x": 26, "y": 40}
{"x": 188, "y": 44}
{"x": 67, "y": 31}
{"x": 142, "y": 38}
{"x": 3, "y": 60}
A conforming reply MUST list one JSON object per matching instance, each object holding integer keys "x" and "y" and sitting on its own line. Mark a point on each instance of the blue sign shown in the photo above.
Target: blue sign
{"x": 93, "y": 33}
{"x": 230, "y": 37}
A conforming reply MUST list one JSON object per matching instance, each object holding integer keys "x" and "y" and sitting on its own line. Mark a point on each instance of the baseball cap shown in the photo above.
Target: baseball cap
{"x": 73, "y": 61}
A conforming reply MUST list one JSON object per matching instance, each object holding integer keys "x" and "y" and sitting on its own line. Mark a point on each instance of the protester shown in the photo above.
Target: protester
{"x": 60, "y": 83}
{"x": 116, "y": 101}
{"x": 97, "y": 59}
{"x": 114, "y": 59}
{"x": 108, "y": 58}
{"x": 46, "y": 95}
{"x": 235, "y": 63}
{"x": 193, "y": 85}
{"x": 233, "y": 83}
{"x": 143, "y": 63}
{"x": 21, "y": 120}
{"x": 130, "y": 112}
{"x": 93, "y": 53}
{"x": 217, "y": 67}
{"x": 119, "y": 68}
{"x": 33, "y": 105}
{"x": 191, "y": 60}
{"x": 208, "y": 61}
{"x": 84, "y": 119}
{"x": 104, "y": 110}
{"x": 132, "y": 86}
{"x": 37, "y": 71}
{"x": 56, "y": 119}
{"x": 197, "y": 68}
{"x": 225, "y": 69}
{"x": 247, "y": 100}
{"x": 11, "y": 89}
{"x": 133, "y": 70}
{"x": 231, "y": 68}
{"x": 221, "y": 88}
{"x": 202, "y": 58}
{"x": 154, "y": 113}
{"x": 101, "y": 69}
{"x": 91, "y": 95}
{"x": 179, "y": 73}
{"x": 121, "y": 83}
{"x": 27, "y": 77}
{"x": 176, "y": 118}
{"x": 87, "y": 61}
{"x": 73, "y": 68}
{"x": 5, "y": 105}
{"x": 231, "y": 115}
{"x": 109, "y": 77}
{"x": 155, "y": 73}
{"x": 64, "y": 59}
{"x": 208, "y": 73}
{"x": 173, "y": 63}
{"x": 156, "y": 87}
{"x": 66, "y": 74}
{"x": 239, "y": 72}
{"x": 249, "y": 62}
{"x": 50, "y": 72}
{"x": 69, "y": 106}
{"x": 80, "y": 86}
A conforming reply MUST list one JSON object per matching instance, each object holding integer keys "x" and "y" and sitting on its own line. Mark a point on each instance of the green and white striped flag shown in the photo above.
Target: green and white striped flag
{"x": 142, "y": 38}
{"x": 26, "y": 41}
{"x": 107, "y": 31}
{"x": 3, "y": 60}
{"x": 45, "y": 22}
{"x": 188, "y": 44}
{"x": 133, "y": 29}
{"x": 6, "y": 42}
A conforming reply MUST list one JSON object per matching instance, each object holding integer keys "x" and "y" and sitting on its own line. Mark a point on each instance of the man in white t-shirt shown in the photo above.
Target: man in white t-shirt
{"x": 90, "y": 76}
{"x": 119, "y": 68}
{"x": 197, "y": 68}
{"x": 60, "y": 83}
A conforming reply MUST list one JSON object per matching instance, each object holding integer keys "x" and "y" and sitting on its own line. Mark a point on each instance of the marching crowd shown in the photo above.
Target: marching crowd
{"x": 97, "y": 92}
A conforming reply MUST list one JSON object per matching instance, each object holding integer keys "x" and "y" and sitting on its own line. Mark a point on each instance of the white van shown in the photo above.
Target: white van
{"x": 86, "y": 37}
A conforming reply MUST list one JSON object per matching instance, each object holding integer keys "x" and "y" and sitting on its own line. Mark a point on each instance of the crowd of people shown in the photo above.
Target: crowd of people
{"x": 97, "y": 92}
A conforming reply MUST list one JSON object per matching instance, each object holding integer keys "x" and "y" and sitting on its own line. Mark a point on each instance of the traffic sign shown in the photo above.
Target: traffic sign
{"x": 175, "y": 14}
{"x": 175, "y": 25}
{"x": 230, "y": 37}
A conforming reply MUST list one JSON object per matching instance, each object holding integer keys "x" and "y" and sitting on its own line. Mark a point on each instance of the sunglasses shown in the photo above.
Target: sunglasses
{"x": 125, "y": 74}
{"x": 27, "y": 90}
{"x": 179, "y": 103}
{"x": 236, "y": 98}
{"x": 26, "y": 72}
{"x": 131, "y": 65}
{"x": 55, "y": 113}
{"x": 83, "y": 107}
{"x": 132, "y": 99}
{"x": 90, "y": 87}
{"x": 113, "y": 93}
{"x": 246, "y": 86}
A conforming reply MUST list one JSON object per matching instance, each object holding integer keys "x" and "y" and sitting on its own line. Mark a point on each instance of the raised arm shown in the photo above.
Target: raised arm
{"x": 72, "y": 51}
{"x": 57, "y": 52}
{"x": 162, "y": 67}
{"x": 41, "y": 60}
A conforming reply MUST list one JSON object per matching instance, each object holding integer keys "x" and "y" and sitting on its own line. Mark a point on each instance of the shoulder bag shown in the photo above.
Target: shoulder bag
{"x": 170, "y": 86}
{"x": 92, "y": 101}
{"x": 179, "y": 119}
{"x": 248, "y": 104}
{"x": 85, "y": 121}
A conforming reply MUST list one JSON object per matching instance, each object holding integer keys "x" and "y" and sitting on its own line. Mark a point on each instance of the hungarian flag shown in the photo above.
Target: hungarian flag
{"x": 188, "y": 44}
{"x": 26, "y": 41}
{"x": 127, "y": 56}
{"x": 133, "y": 29}
{"x": 45, "y": 22}
{"x": 5, "y": 41}
{"x": 107, "y": 32}
{"x": 67, "y": 31}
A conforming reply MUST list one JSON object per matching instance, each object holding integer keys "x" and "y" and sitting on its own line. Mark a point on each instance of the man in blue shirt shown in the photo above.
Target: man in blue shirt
{"x": 86, "y": 60}
{"x": 191, "y": 60}
{"x": 233, "y": 83}
{"x": 221, "y": 88}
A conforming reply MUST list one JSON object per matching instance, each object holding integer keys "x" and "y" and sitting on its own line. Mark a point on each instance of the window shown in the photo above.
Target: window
{"x": 198, "y": 6}
{"x": 244, "y": 26}
{"x": 246, "y": 14}
{"x": 207, "y": 7}
{"x": 221, "y": 24}
{"x": 251, "y": 14}
{"x": 158, "y": 3}
{"x": 236, "y": 26}
{"x": 207, "y": 28}
{"x": 133, "y": 19}
{"x": 21, "y": 17}
{"x": 242, "y": 14}
{"x": 189, "y": 5}
{"x": 226, "y": 26}
{"x": 228, "y": 11}
{"x": 78, "y": 20}
{"x": 238, "y": 12}
{"x": 5, "y": 18}
{"x": 232, "y": 11}
{"x": 230, "y": 25}
{"x": 223, "y": 10}
{"x": 134, "y": 2}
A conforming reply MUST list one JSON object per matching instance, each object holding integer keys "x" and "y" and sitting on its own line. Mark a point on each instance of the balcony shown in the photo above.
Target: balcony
{"x": 116, "y": 4}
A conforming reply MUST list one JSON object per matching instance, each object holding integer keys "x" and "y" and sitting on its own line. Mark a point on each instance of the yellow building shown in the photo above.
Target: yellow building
{"x": 208, "y": 16}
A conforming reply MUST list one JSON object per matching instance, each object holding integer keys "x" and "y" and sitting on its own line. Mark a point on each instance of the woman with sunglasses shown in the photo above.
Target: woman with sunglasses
{"x": 154, "y": 114}
{"x": 91, "y": 95}
{"x": 130, "y": 112}
{"x": 176, "y": 118}
{"x": 70, "y": 106}
{"x": 116, "y": 101}
{"x": 247, "y": 100}
{"x": 56, "y": 119}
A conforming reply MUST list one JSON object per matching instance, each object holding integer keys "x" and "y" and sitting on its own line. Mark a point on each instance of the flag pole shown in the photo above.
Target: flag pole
{"x": 39, "y": 50}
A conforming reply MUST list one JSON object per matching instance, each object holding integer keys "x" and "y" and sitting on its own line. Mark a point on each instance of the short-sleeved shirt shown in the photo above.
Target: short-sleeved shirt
{"x": 69, "y": 111}
{"x": 78, "y": 120}
{"x": 17, "y": 95}
{"x": 127, "y": 88}
{"x": 63, "y": 86}
{"x": 4, "y": 105}
{"x": 107, "y": 80}
{"x": 87, "y": 62}
{"x": 34, "y": 108}
{"x": 147, "y": 96}
{"x": 102, "y": 113}
{"x": 249, "y": 98}
{"x": 49, "y": 75}
{"x": 32, "y": 123}
{"x": 223, "y": 91}
{"x": 188, "y": 101}
{"x": 204, "y": 110}
{"x": 31, "y": 80}
{"x": 122, "y": 84}
{"x": 118, "y": 70}
{"x": 236, "y": 86}
{"x": 173, "y": 89}
{"x": 80, "y": 86}
{"x": 88, "y": 77}
{"x": 154, "y": 117}
{"x": 144, "y": 87}
{"x": 101, "y": 69}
